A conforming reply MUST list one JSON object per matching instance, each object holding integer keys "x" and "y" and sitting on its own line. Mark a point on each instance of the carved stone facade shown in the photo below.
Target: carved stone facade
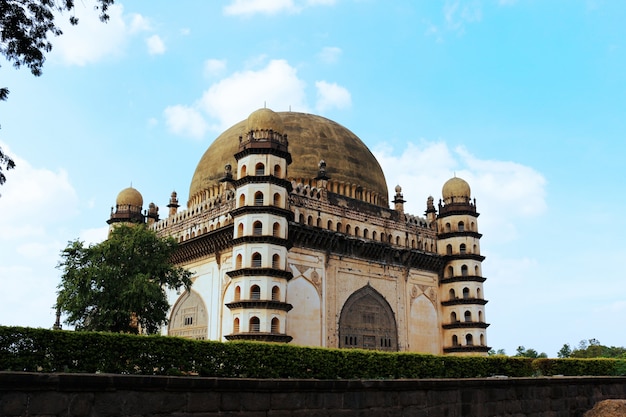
{"x": 290, "y": 237}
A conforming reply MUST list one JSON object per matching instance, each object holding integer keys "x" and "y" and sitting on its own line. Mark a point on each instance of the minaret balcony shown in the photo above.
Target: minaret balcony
{"x": 467, "y": 349}
{"x": 288, "y": 214}
{"x": 260, "y": 337}
{"x": 463, "y": 256}
{"x": 466, "y": 233}
{"x": 260, "y": 304}
{"x": 464, "y": 301}
{"x": 263, "y": 272}
{"x": 466, "y": 325}
{"x": 262, "y": 239}
{"x": 263, "y": 179}
{"x": 462, "y": 278}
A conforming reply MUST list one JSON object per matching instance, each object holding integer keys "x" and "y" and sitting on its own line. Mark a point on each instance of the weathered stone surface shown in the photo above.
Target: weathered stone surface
{"x": 608, "y": 408}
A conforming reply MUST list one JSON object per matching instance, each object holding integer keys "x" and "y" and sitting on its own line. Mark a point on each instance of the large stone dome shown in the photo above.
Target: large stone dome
{"x": 352, "y": 168}
{"x": 456, "y": 188}
{"x": 129, "y": 197}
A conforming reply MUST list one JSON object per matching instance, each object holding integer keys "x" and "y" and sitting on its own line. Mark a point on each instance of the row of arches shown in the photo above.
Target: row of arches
{"x": 465, "y": 293}
{"x": 259, "y": 170}
{"x": 304, "y": 187}
{"x": 467, "y": 317}
{"x": 254, "y": 325}
{"x": 257, "y": 229}
{"x": 460, "y": 227}
{"x": 426, "y": 245}
{"x": 256, "y": 261}
{"x": 469, "y": 340}
{"x": 463, "y": 250}
{"x": 255, "y": 293}
{"x": 464, "y": 271}
{"x": 259, "y": 199}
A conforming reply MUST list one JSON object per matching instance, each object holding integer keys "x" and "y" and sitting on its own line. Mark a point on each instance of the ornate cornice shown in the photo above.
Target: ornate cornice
{"x": 342, "y": 244}
{"x": 263, "y": 179}
{"x": 262, "y": 209}
{"x": 206, "y": 244}
{"x": 466, "y": 325}
{"x": 464, "y": 301}
{"x": 466, "y": 233}
{"x": 273, "y": 240}
{"x": 460, "y": 278}
{"x": 459, "y": 256}
{"x": 466, "y": 349}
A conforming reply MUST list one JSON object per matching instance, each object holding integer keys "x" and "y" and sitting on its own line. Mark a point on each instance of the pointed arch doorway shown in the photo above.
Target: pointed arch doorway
{"x": 367, "y": 322}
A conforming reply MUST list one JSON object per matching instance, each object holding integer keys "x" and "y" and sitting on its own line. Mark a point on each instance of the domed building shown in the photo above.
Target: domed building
{"x": 290, "y": 236}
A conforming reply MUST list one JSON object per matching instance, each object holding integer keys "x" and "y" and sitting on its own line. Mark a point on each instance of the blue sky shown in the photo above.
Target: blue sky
{"x": 524, "y": 99}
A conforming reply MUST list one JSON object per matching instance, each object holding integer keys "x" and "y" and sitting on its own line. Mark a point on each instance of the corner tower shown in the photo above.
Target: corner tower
{"x": 128, "y": 208}
{"x": 260, "y": 235}
{"x": 463, "y": 304}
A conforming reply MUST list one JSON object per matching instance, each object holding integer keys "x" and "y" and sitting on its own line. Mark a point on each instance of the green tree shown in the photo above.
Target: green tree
{"x": 119, "y": 285}
{"x": 493, "y": 352}
{"x": 592, "y": 348}
{"x": 522, "y": 352}
{"x": 24, "y": 29}
{"x": 565, "y": 351}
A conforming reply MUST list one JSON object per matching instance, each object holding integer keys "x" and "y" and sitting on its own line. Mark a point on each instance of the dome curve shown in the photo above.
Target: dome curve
{"x": 129, "y": 197}
{"x": 456, "y": 187}
{"x": 311, "y": 138}
{"x": 264, "y": 119}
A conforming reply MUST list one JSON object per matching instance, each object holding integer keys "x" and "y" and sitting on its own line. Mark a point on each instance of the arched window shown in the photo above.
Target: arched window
{"x": 275, "y": 325}
{"x": 472, "y": 227}
{"x": 462, "y": 249}
{"x": 468, "y": 316}
{"x": 319, "y": 222}
{"x": 255, "y": 324}
{"x": 348, "y": 229}
{"x": 237, "y": 293}
{"x": 277, "y": 199}
{"x": 453, "y": 318}
{"x": 455, "y": 340}
{"x": 477, "y": 292}
{"x": 277, "y": 171}
{"x": 413, "y": 244}
{"x": 255, "y": 292}
{"x": 309, "y": 221}
{"x": 276, "y": 261}
{"x": 449, "y": 249}
{"x": 480, "y": 316}
{"x": 469, "y": 340}
{"x": 242, "y": 200}
{"x": 452, "y": 294}
{"x": 236, "y": 325}
{"x": 339, "y": 226}
{"x": 366, "y": 233}
{"x": 243, "y": 171}
{"x": 275, "y": 293}
{"x": 276, "y": 230}
{"x": 259, "y": 169}
{"x": 374, "y": 235}
{"x": 482, "y": 339}
{"x": 398, "y": 240}
{"x": 238, "y": 261}
{"x": 258, "y": 198}
{"x": 329, "y": 225}
{"x": 447, "y": 228}
{"x": 357, "y": 231}
{"x": 240, "y": 230}
{"x": 257, "y": 261}
{"x": 301, "y": 218}
{"x": 466, "y": 293}
{"x": 450, "y": 271}
{"x": 476, "y": 271}
{"x": 464, "y": 270}
{"x": 461, "y": 227}
{"x": 257, "y": 228}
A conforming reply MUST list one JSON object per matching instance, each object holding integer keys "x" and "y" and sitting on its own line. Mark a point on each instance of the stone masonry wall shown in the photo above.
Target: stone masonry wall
{"x": 103, "y": 395}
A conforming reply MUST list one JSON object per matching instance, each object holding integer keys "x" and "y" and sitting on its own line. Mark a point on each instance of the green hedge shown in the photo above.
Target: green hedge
{"x": 39, "y": 350}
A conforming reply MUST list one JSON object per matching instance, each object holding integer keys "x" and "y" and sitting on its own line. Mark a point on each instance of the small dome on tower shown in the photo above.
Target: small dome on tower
{"x": 456, "y": 187}
{"x": 129, "y": 197}
{"x": 265, "y": 119}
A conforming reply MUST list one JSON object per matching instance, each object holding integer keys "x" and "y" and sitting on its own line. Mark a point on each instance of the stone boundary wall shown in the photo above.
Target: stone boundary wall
{"x": 102, "y": 395}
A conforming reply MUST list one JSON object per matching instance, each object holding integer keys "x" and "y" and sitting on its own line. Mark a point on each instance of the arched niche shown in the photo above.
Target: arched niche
{"x": 367, "y": 322}
{"x": 189, "y": 317}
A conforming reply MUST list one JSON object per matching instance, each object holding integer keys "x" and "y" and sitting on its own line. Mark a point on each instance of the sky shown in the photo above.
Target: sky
{"x": 524, "y": 99}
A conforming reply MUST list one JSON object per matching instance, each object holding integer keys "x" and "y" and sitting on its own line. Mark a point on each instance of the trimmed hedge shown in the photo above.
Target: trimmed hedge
{"x": 40, "y": 350}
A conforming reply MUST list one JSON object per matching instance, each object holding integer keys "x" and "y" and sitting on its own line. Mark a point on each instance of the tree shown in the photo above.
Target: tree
{"x": 119, "y": 285}
{"x": 565, "y": 351}
{"x": 24, "y": 29}
{"x": 592, "y": 348}
{"x": 522, "y": 352}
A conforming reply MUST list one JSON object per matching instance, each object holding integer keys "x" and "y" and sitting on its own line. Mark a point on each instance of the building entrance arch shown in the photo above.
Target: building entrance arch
{"x": 367, "y": 322}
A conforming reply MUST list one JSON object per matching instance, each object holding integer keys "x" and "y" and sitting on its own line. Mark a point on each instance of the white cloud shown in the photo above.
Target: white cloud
{"x": 507, "y": 193}
{"x": 155, "y": 45}
{"x": 458, "y": 13}
{"x": 214, "y": 67}
{"x": 94, "y": 236}
{"x": 91, "y": 40}
{"x": 185, "y": 121}
{"x": 271, "y": 7}
{"x": 332, "y": 96}
{"x": 231, "y": 99}
{"x": 330, "y": 54}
